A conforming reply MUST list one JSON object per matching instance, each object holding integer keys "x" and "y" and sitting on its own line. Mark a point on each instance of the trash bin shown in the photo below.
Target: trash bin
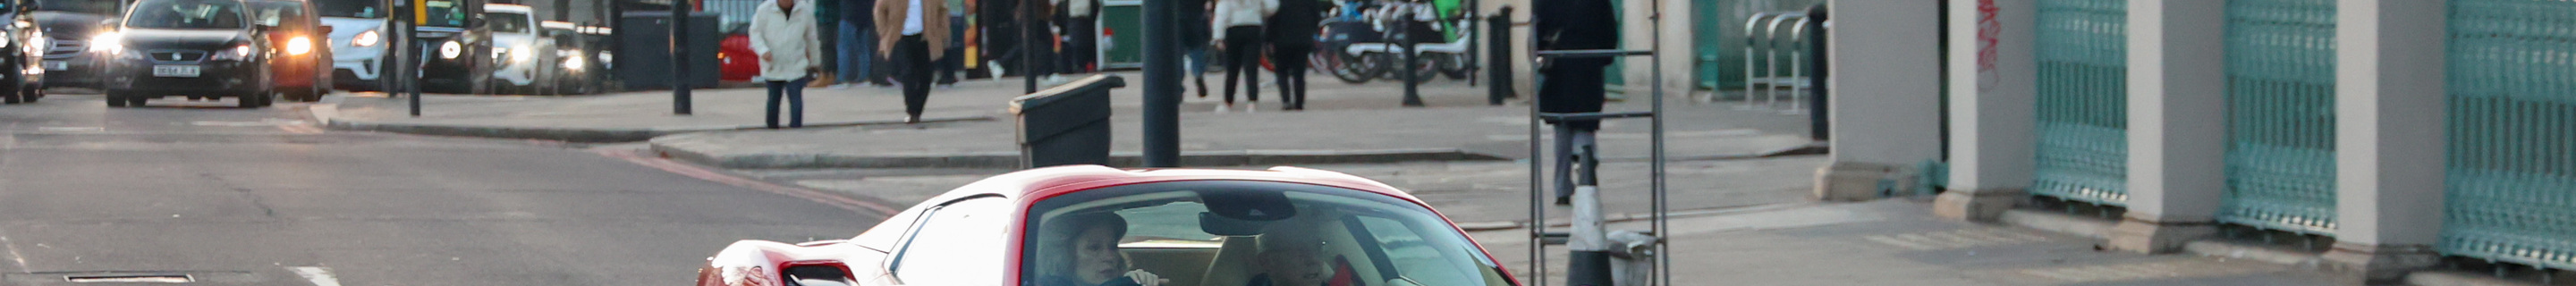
{"x": 1067, "y": 124}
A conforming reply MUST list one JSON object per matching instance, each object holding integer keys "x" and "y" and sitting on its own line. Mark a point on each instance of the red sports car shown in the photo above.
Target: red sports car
{"x": 1091, "y": 225}
{"x": 736, "y": 59}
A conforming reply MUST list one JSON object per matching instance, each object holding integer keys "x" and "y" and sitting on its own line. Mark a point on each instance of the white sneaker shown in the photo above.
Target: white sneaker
{"x": 1222, "y": 108}
{"x": 997, "y": 69}
{"x": 1252, "y": 107}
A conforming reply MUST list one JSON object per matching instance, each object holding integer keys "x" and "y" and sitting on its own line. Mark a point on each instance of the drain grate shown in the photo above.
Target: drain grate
{"x": 129, "y": 278}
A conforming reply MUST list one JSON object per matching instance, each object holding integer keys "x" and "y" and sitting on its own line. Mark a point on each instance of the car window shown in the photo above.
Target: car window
{"x": 78, "y": 6}
{"x": 957, "y": 238}
{"x": 186, "y": 14}
{"x": 508, "y": 22}
{"x": 443, "y": 13}
{"x": 350, "y": 8}
{"x": 277, "y": 14}
{"x": 1303, "y": 234}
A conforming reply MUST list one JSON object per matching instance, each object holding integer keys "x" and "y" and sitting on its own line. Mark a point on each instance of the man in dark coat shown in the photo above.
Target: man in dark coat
{"x": 1292, "y": 38}
{"x": 1573, "y": 85}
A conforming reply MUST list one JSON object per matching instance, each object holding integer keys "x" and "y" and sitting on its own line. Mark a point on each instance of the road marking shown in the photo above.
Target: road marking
{"x": 676, "y": 167}
{"x": 320, "y": 276}
{"x": 1953, "y": 239}
{"x": 13, "y": 252}
{"x": 300, "y": 129}
{"x": 70, "y": 129}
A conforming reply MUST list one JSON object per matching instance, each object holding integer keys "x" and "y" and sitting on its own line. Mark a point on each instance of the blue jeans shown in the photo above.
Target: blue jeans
{"x": 795, "y": 95}
{"x": 858, "y": 53}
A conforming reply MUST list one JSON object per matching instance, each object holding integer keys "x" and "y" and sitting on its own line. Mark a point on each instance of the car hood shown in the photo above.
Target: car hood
{"x": 344, "y": 28}
{"x": 68, "y": 25}
{"x": 204, "y": 40}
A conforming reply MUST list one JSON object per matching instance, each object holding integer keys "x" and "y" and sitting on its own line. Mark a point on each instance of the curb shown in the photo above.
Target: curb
{"x": 2059, "y": 223}
{"x": 1012, "y": 159}
{"x": 2457, "y": 278}
{"x": 327, "y": 112}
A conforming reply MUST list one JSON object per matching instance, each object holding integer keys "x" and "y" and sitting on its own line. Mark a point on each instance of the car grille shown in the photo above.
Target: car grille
{"x": 177, "y": 56}
{"x": 64, "y": 48}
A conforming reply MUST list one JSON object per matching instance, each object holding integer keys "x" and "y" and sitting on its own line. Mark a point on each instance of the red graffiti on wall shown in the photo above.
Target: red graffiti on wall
{"x": 1989, "y": 33}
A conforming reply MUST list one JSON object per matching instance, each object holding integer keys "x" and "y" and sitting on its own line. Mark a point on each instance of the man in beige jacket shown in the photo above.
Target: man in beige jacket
{"x": 911, "y": 35}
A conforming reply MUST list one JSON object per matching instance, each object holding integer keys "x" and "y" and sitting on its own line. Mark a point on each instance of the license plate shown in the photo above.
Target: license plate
{"x": 174, "y": 71}
{"x": 57, "y": 65}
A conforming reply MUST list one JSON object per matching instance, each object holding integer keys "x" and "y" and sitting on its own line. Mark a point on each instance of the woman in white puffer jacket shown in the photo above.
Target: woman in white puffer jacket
{"x": 1239, "y": 23}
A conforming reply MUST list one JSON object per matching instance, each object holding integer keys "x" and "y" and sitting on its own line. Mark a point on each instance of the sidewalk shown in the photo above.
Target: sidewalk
{"x": 1344, "y": 124}
{"x": 1896, "y": 242}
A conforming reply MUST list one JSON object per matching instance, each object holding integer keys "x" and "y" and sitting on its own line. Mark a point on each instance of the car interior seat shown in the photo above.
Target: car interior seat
{"x": 1233, "y": 264}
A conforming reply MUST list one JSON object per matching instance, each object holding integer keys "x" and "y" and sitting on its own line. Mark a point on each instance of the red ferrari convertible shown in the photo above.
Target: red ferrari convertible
{"x": 1091, "y": 225}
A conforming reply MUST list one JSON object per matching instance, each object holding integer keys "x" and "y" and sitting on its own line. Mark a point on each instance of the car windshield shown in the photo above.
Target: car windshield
{"x": 94, "y": 7}
{"x": 371, "y": 9}
{"x": 1241, "y": 232}
{"x": 280, "y": 14}
{"x": 186, "y": 14}
{"x": 508, "y": 22}
{"x": 444, "y": 14}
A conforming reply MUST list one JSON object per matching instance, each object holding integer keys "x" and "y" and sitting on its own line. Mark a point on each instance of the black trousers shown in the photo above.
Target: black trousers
{"x": 913, "y": 55}
{"x": 1290, "y": 60}
{"x": 1082, "y": 46}
{"x": 1243, "y": 60}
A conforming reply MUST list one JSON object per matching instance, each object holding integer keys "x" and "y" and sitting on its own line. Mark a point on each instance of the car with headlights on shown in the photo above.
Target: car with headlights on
{"x": 451, "y": 50}
{"x": 523, "y": 61}
{"x": 303, "y": 61}
{"x": 197, "y": 48}
{"x": 579, "y": 56}
{"x": 22, "y": 49}
{"x": 69, "y": 26}
{"x": 1093, "y": 225}
{"x": 360, "y": 36}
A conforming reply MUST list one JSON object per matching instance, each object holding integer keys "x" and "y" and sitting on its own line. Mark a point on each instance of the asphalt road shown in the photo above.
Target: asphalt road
{"x": 263, "y": 197}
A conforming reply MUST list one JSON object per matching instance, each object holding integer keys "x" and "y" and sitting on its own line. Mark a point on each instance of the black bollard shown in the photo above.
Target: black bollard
{"x": 1412, "y": 83}
{"x": 1498, "y": 34}
{"x": 1163, "y": 74}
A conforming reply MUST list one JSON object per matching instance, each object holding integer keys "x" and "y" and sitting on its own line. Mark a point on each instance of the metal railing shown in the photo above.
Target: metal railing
{"x": 2082, "y": 52}
{"x": 2280, "y": 95}
{"x": 2511, "y": 175}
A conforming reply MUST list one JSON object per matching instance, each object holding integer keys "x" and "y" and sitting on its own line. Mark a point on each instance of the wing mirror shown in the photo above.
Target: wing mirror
{"x": 325, "y": 30}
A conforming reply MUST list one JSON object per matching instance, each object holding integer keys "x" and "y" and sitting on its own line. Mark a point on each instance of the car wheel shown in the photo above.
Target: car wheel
{"x": 136, "y": 101}
{"x": 252, "y": 101}
{"x": 115, "y": 99}
{"x": 32, "y": 94}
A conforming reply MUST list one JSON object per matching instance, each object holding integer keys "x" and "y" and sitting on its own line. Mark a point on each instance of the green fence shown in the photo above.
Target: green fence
{"x": 2281, "y": 121}
{"x": 2512, "y": 128}
{"x": 2083, "y": 101}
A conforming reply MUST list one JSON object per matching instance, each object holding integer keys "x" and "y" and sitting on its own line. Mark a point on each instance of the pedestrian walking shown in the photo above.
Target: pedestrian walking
{"x": 1292, "y": 39}
{"x": 1573, "y": 85}
{"x": 953, "y": 60}
{"x": 1195, "y": 37}
{"x": 1242, "y": 22}
{"x": 783, "y": 35}
{"x": 1081, "y": 34}
{"x": 919, "y": 36}
{"x": 857, "y": 38}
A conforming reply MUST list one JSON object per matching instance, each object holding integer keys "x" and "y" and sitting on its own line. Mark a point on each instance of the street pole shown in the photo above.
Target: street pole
{"x": 410, "y": 52}
{"x": 1029, "y": 40}
{"x": 680, "y": 55}
{"x": 1412, "y": 83}
{"x": 1163, "y": 75}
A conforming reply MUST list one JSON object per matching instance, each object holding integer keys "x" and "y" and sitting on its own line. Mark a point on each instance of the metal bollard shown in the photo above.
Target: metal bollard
{"x": 1499, "y": 63}
{"x": 1067, "y": 124}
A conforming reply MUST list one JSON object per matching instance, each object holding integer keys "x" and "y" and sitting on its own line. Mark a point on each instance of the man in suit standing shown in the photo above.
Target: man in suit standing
{"x": 1573, "y": 85}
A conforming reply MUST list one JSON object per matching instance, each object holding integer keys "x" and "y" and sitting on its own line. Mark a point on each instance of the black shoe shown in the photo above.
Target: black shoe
{"x": 1562, "y": 201}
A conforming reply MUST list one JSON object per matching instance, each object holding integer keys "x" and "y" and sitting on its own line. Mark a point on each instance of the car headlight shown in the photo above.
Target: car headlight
{"x": 366, "y": 39}
{"x": 450, "y": 50}
{"x": 522, "y": 54}
{"x": 109, "y": 42}
{"x": 574, "y": 62}
{"x": 299, "y": 46}
{"x": 238, "y": 52}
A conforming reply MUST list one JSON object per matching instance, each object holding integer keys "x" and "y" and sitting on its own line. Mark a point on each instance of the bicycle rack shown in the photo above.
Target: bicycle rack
{"x": 1762, "y": 51}
{"x": 1658, "y": 243}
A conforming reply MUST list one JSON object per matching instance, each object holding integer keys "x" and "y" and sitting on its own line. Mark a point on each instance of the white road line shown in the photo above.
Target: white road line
{"x": 13, "y": 253}
{"x": 320, "y": 276}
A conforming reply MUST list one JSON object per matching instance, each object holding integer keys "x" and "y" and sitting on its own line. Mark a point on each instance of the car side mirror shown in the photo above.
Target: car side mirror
{"x": 325, "y": 30}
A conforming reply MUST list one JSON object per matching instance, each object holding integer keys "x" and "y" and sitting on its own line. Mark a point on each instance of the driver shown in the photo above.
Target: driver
{"x": 1084, "y": 252}
{"x": 1291, "y": 255}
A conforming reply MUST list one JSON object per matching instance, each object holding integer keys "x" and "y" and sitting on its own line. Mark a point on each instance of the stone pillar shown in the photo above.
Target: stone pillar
{"x": 2389, "y": 123}
{"x": 1992, "y": 108}
{"x": 2177, "y": 123}
{"x": 1884, "y": 90}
